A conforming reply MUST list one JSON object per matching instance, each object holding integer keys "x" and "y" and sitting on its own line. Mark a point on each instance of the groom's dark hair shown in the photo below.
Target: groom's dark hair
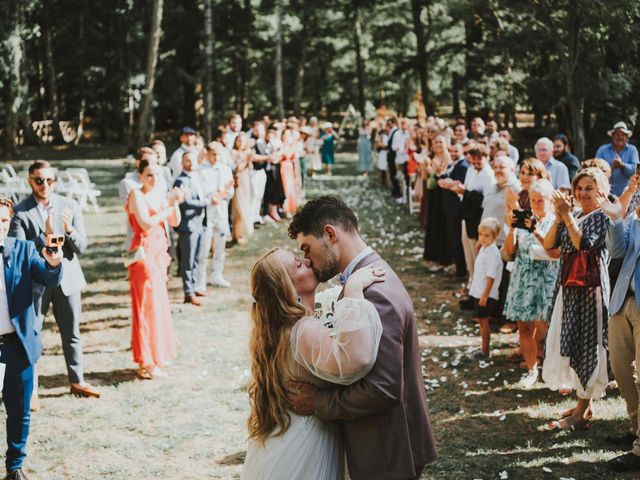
{"x": 321, "y": 211}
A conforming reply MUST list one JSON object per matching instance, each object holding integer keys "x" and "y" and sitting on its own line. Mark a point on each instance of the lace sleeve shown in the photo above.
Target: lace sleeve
{"x": 345, "y": 353}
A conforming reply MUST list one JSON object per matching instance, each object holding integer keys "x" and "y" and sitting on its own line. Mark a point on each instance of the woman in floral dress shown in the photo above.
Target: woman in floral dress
{"x": 533, "y": 277}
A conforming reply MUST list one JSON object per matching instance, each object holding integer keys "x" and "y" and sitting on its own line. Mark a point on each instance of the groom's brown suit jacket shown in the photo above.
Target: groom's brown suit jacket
{"x": 385, "y": 417}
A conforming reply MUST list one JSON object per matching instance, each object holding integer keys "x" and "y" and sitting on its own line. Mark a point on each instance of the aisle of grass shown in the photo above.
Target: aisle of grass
{"x": 192, "y": 425}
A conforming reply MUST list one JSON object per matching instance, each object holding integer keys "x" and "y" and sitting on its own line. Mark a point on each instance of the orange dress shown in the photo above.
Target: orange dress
{"x": 153, "y": 341}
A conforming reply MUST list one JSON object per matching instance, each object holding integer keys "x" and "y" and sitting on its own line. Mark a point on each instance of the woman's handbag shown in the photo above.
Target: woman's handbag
{"x": 580, "y": 269}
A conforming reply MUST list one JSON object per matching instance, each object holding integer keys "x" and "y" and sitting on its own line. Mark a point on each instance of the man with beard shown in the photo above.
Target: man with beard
{"x": 385, "y": 417}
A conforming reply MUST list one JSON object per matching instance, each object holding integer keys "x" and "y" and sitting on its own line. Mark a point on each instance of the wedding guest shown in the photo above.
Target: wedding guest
{"x": 315, "y": 163}
{"x": 20, "y": 343}
{"x": 460, "y": 133}
{"x": 327, "y": 149}
{"x": 451, "y": 206}
{"x": 491, "y": 130}
{"x": 477, "y": 130}
{"x": 365, "y": 159}
{"x": 576, "y": 351}
{"x": 436, "y": 248}
{"x": 187, "y": 143}
{"x": 494, "y": 197}
{"x": 624, "y": 325}
{"x": 260, "y": 159}
{"x": 392, "y": 169}
{"x": 399, "y": 146}
{"x": 234, "y": 128}
{"x": 382, "y": 139}
{"x": 562, "y": 153}
{"x": 274, "y": 191}
{"x": 533, "y": 277}
{"x": 191, "y": 227}
{"x": 241, "y": 202}
{"x": 513, "y": 151}
{"x": 218, "y": 183}
{"x": 153, "y": 341}
{"x": 558, "y": 171}
{"x": 487, "y": 273}
{"x": 621, "y": 156}
{"x": 42, "y": 213}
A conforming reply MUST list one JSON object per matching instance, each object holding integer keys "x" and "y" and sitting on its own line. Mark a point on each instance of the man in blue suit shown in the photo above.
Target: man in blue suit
{"x": 191, "y": 229}
{"x": 20, "y": 345}
{"x": 623, "y": 241}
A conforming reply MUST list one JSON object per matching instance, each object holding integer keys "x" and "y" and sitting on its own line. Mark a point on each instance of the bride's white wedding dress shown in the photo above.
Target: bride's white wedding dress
{"x": 341, "y": 353}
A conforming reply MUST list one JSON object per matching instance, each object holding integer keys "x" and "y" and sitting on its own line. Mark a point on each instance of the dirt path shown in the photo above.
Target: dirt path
{"x": 192, "y": 425}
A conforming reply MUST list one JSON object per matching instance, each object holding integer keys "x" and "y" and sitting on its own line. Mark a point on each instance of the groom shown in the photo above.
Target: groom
{"x": 386, "y": 425}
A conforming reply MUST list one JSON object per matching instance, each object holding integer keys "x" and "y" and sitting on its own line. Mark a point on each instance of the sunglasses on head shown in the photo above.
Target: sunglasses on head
{"x": 40, "y": 180}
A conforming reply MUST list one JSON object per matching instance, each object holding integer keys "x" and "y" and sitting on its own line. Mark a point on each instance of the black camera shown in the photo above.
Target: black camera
{"x": 521, "y": 216}
{"x": 54, "y": 242}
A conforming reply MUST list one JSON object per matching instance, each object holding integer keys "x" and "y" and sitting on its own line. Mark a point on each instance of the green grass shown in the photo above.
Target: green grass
{"x": 192, "y": 425}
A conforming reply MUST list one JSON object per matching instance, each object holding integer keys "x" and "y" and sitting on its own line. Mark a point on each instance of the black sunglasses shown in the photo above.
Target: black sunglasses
{"x": 40, "y": 180}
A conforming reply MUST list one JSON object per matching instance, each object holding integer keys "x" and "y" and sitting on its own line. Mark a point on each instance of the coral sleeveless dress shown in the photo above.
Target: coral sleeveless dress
{"x": 153, "y": 340}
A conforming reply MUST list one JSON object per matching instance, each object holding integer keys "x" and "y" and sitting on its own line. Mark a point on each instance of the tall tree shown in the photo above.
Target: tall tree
{"x": 357, "y": 44}
{"x": 152, "y": 62}
{"x": 421, "y": 48}
{"x": 208, "y": 59}
{"x": 14, "y": 85}
{"x": 279, "y": 65}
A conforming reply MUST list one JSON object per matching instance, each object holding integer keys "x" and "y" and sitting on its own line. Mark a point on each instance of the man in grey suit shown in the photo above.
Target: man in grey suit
{"x": 385, "y": 417}
{"x": 35, "y": 217}
{"x": 192, "y": 224}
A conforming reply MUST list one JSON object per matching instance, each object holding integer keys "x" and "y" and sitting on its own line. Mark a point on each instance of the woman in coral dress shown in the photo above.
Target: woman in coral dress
{"x": 153, "y": 341}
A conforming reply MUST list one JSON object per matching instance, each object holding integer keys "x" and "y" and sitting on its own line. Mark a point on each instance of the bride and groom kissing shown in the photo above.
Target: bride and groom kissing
{"x": 324, "y": 388}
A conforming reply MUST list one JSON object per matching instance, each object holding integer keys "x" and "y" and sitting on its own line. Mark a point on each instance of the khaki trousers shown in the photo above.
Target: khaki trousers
{"x": 470, "y": 251}
{"x": 624, "y": 349}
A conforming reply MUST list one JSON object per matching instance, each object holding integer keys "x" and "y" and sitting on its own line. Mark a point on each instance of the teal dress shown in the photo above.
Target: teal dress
{"x": 532, "y": 282}
{"x": 327, "y": 149}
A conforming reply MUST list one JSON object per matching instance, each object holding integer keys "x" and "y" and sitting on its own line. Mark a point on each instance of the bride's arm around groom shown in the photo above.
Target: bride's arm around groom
{"x": 347, "y": 351}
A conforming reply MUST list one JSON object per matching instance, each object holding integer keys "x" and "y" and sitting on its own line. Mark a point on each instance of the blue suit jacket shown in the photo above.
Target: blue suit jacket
{"x": 23, "y": 266}
{"x": 623, "y": 240}
{"x": 193, "y": 209}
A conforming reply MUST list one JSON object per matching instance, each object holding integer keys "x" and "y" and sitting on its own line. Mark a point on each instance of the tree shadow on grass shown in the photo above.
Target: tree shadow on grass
{"x": 114, "y": 377}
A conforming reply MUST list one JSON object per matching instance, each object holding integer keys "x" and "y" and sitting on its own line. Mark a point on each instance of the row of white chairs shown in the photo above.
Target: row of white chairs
{"x": 71, "y": 182}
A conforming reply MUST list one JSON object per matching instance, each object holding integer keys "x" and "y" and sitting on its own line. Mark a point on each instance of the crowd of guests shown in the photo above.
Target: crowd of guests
{"x": 547, "y": 245}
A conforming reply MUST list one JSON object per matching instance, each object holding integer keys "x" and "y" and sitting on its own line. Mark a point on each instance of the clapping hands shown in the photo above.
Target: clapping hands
{"x": 562, "y": 204}
{"x": 176, "y": 196}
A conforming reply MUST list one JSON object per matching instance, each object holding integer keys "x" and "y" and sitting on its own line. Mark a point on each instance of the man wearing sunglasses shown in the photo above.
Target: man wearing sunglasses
{"x": 43, "y": 213}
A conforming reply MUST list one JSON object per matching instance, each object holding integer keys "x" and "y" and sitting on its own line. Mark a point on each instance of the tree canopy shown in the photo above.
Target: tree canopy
{"x": 572, "y": 63}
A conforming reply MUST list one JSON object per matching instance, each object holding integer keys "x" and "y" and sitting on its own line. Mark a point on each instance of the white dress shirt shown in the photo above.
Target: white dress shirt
{"x": 5, "y": 319}
{"x": 399, "y": 145}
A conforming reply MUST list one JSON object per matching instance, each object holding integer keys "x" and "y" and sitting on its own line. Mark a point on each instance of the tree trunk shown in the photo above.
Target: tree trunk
{"x": 152, "y": 62}
{"x": 357, "y": 41}
{"x": 52, "y": 83}
{"x": 208, "y": 59}
{"x": 245, "y": 72}
{"x": 302, "y": 60}
{"x": 421, "y": 46}
{"x": 574, "y": 98}
{"x": 455, "y": 93}
{"x": 14, "y": 91}
{"x": 473, "y": 59}
{"x": 83, "y": 85}
{"x": 279, "y": 93}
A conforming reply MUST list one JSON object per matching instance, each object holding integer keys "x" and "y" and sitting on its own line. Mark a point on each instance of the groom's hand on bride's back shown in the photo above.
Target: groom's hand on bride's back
{"x": 301, "y": 398}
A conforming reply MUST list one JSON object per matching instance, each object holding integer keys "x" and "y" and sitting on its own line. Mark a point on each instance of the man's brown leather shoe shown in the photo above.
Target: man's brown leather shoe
{"x": 193, "y": 300}
{"x": 84, "y": 390}
{"x": 200, "y": 294}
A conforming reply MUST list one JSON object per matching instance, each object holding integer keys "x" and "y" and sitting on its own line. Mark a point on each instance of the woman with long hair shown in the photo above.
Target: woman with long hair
{"x": 241, "y": 202}
{"x": 153, "y": 341}
{"x": 288, "y": 344}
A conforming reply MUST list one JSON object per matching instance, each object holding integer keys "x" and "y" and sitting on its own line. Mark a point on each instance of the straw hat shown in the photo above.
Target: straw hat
{"x": 620, "y": 126}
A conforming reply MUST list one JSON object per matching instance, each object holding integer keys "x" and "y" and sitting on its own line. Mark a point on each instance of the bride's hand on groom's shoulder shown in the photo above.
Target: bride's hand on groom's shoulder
{"x": 361, "y": 279}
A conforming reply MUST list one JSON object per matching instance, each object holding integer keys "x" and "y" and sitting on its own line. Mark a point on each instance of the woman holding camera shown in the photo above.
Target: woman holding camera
{"x": 576, "y": 350}
{"x": 533, "y": 278}
{"x": 153, "y": 341}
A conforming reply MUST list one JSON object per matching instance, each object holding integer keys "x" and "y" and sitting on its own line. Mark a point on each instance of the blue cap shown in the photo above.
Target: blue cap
{"x": 187, "y": 131}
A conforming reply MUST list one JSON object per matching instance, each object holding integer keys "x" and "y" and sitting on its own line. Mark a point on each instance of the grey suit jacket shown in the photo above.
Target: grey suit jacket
{"x": 193, "y": 209}
{"x": 27, "y": 224}
{"x": 385, "y": 417}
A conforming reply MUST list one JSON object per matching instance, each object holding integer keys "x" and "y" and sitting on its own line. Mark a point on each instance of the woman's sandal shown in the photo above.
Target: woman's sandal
{"x": 144, "y": 374}
{"x": 569, "y": 423}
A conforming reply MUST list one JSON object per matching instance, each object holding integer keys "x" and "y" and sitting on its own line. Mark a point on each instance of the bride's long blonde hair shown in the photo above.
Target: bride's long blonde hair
{"x": 274, "y": 312}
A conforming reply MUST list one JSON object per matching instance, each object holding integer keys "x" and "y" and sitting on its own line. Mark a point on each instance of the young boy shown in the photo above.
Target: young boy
{"x": 487, "y": 275}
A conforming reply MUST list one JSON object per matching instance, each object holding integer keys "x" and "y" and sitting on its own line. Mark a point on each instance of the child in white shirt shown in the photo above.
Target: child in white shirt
{"x": 487, "y": 274}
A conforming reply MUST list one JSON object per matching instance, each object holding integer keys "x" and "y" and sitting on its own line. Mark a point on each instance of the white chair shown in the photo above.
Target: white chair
{"x": 84, "y": 190}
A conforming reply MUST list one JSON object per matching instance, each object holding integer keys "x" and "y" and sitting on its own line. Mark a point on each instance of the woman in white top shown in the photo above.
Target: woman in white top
{"x": 289, "y": 344}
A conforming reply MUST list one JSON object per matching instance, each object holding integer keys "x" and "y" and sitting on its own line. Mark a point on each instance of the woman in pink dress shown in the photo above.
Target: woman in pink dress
{"x": 153, "y": 341}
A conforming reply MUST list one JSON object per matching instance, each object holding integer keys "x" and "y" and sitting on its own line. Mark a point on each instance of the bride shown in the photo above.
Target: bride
{"x": 289, "y": 344}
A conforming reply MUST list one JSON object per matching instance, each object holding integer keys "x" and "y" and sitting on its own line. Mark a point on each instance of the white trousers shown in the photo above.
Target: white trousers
{"x": 258, "y": 183}
{"x": 216, "y": 237}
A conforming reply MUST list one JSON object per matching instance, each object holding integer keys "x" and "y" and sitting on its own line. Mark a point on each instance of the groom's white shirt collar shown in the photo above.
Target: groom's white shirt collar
{"x": 349, "y": 270}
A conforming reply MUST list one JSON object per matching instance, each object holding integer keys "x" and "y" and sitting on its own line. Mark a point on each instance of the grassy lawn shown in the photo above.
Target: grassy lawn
{"x": 192, "y": 425}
